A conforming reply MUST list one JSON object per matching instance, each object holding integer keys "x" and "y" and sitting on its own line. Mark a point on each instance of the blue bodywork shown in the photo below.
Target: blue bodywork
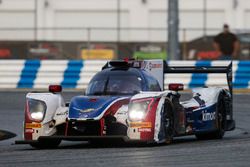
{"x": 89, "y": 107}
{"x": 208, "y": 123}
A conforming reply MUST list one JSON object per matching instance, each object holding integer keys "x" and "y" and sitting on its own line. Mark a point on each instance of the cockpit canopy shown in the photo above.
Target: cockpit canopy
{"x": 115, "y": 81}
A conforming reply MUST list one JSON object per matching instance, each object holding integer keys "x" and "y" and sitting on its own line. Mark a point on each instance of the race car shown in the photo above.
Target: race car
{"x": 100, "y": 114}
{"x": 158, "y": 117}
{"x": 126, "y": 101}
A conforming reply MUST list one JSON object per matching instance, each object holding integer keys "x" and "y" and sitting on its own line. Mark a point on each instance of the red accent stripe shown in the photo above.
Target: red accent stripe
{"x": 101, "y": 127}
{"x": 113, "y": 109}
{"x": 27, "y": 136}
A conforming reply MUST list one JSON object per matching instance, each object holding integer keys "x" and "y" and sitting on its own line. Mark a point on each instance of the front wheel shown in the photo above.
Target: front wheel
{"x": 46, "y": 144}
{"x": 168, "y": 122}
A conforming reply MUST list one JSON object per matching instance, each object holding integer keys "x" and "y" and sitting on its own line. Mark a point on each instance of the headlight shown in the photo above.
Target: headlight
{"x": 139, "y": 108}
{"x": 37, "y": 109}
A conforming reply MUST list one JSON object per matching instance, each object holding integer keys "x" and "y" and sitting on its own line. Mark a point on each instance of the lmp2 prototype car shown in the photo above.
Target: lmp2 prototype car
{"x": 160, "y": 116}
{"x": 125, "y": 101}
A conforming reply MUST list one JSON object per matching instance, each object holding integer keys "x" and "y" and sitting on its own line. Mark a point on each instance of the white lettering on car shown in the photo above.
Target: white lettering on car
{"x": 208, "y": 116}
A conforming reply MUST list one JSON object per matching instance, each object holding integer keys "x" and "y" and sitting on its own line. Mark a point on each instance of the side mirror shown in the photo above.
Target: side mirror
{"x": 176, "y": 86}
{"x": 55, "y": 88}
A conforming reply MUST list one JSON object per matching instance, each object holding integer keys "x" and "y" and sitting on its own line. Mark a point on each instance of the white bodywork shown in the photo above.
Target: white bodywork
{"x": 122, "y": 114}
{"x": 56, "y": 110}
{"x": 209, "y": 95}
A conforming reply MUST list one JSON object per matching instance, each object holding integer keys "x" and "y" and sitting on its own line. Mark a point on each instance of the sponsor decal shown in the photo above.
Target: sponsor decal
{"x": 208, "y": 116}
{"x": 159, "y": 65}
{"x": 98, "y": 51}
{"x": 144, "y": 52}
{"x": 98, "y": 54}
{"x": 144, "y": 130}
{"x": 140, "y": 125}
{"x": 87, "y": 110}
{"x": 84, "y": 111}
{"x": 150, "y": 49}
{"x": 151, "y": 66}
{"x": 62, "y": 113}
{"x": 208, "y": 55}
{"x": 44, "y": 50}
{"x": 29, "y": 130}
{"x": 33, "y": 125}
{"x": 154, "y": 67}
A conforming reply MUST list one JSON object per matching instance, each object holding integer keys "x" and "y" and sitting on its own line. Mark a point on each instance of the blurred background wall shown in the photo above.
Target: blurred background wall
{"x": 112, "y": 29}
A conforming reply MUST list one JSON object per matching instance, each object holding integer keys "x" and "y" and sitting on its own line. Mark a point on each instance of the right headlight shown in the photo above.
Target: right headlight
{"x": 139, "y": 108}
{"x": 36, "y": 109}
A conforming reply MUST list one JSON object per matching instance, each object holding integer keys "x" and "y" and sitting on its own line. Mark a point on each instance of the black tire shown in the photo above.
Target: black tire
{"x": 221, "y": 122}
{"x": 168, "y": 121}
{"x": 46, "y": 144}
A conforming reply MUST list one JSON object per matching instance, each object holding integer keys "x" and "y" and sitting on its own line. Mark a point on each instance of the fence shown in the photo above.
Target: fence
{"x": 68, "y": 42}
{"x": 101, "y": 34}
{"x": 36, "y": 74}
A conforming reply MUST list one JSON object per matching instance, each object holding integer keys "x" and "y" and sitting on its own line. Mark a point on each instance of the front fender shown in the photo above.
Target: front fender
{"x": 33, "y": 128}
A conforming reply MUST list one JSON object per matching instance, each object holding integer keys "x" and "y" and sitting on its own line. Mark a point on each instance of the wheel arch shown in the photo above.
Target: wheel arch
{"x": 158, "y": 132}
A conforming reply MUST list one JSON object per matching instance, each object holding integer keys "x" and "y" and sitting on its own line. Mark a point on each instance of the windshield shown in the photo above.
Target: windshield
{"x": 115, "y": 85}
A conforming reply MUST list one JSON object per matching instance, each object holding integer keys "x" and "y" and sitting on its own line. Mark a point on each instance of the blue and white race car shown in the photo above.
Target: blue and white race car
{"x": 126, "y": 101}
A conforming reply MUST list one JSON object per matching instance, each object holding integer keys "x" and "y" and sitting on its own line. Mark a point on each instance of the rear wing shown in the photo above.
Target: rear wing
{"x": 202, "y": 69}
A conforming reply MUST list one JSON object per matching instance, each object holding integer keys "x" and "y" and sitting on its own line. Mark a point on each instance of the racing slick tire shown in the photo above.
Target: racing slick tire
{"x": 168, "y": 121}
{"x": 220, "y": 121}
{"x": 46, "y": 144}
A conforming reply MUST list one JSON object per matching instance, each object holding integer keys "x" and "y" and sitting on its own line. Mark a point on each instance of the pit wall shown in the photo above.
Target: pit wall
{"x": 76, "y": 74}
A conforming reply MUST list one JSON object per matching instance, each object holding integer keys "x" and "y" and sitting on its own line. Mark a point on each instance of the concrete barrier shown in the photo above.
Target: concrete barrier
{"x": 77, "y": 73}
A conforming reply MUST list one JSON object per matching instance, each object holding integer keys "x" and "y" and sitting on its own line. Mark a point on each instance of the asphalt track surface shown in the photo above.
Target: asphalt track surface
{"x": 233, "y": 150}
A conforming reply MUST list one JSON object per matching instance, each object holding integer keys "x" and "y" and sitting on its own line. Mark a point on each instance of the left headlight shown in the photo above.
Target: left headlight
{"x": 139, "y": 108}
{"x": 36, "y": 109}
